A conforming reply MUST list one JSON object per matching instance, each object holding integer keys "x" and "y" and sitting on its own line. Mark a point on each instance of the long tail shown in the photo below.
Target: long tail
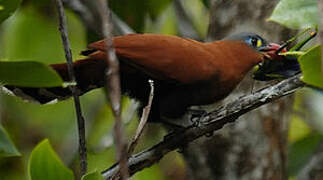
{"x": 89, "y": 74}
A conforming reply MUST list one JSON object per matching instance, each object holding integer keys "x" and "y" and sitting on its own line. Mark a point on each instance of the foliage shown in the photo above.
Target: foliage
{"x": 28, "y": 74}
{"x": 296, "y": 14}
{"x": 7, "y": 8}
{"x": 311, "y": 67}
{"x": 45, "y": 164}
{"x": 93, "y": 176}
{"x": 33, "y": 35}
{"x": 300, "y": 14}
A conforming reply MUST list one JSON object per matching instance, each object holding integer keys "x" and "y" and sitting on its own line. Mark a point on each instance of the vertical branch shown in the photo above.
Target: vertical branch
{"x": 320, "y": 30}
{"x": 113, "y": 84}
{"x": 68, "y": 56}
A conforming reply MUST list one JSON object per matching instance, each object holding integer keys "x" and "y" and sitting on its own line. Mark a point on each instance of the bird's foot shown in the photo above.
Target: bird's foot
{"x": 196, "y": 115}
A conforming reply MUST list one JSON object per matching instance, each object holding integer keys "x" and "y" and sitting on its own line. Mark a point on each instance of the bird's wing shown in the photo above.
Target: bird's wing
{"x": 164, "y": 57}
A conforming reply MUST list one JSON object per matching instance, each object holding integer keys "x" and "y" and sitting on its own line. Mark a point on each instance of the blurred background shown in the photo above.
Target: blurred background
{"x": 278, "y": 141}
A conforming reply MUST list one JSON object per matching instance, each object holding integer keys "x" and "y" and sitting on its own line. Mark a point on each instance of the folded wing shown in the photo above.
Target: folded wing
{"x": 159, "y": 56}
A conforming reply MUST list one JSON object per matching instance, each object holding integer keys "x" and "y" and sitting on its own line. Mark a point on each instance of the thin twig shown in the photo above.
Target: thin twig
{"x": 113, "y": 84}
{"x": 68, "y": 56}
{"x": 320, "y": 31}
{"x": 143, "y": 120}
{"x": 209, "y": 123}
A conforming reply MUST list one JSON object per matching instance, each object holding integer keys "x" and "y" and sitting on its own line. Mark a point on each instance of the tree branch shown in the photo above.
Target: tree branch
{"x": 113, "y": 84}
{"x": 213, "y": 121}
{"x": 68, "y": 56}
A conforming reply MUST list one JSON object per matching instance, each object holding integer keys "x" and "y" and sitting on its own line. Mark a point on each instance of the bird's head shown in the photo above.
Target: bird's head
{"x": 258, "y": 43}
{"x": 273, "y": 66}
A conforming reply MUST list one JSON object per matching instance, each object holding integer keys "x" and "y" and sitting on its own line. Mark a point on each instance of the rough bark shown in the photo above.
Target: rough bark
{"x": 253, "y": 148}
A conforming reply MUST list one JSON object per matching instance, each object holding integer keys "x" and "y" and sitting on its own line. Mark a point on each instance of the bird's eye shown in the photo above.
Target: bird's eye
{"x": 255, "y": 42}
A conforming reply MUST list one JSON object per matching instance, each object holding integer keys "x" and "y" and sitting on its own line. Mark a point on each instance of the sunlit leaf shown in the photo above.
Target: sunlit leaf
{"x": 45, "y": 164}
{"x": 7, "y": 8}
{"x": 28, "y": 74}
{"x": 93, "y": 176}
{"x": 311, "y": 67}
{"x": 296, "y": 14}
{"x": 7, "y": 148}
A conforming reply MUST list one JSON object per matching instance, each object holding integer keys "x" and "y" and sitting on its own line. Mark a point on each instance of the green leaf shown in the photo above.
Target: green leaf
{"x": 311, "y": 67}
{"x": 300, "y": 152}
{"x": 32, "y": 34}
{"x": 93, "y": 176}
{"x": 7, "y": 7}
{"x": 45, "y": 164}
{"x": 7, "y": 148}
{"x": 296, "y": 14}
{"x": 28, "y": 74}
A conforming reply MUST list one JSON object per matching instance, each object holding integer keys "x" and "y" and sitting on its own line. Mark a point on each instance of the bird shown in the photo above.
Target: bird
{"x": 185, "y": 72}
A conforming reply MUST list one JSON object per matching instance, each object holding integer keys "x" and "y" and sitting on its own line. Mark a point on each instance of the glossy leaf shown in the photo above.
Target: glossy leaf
{"x": 93, "y": 176}
{"x": 45, "y": 164}
{"x": 7, "y": 8}
{"x": 296, "y": 14}
{"x": 28, "y": 74}
{"x": 7, "y": 148}
{"x": 311, "y": 67}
